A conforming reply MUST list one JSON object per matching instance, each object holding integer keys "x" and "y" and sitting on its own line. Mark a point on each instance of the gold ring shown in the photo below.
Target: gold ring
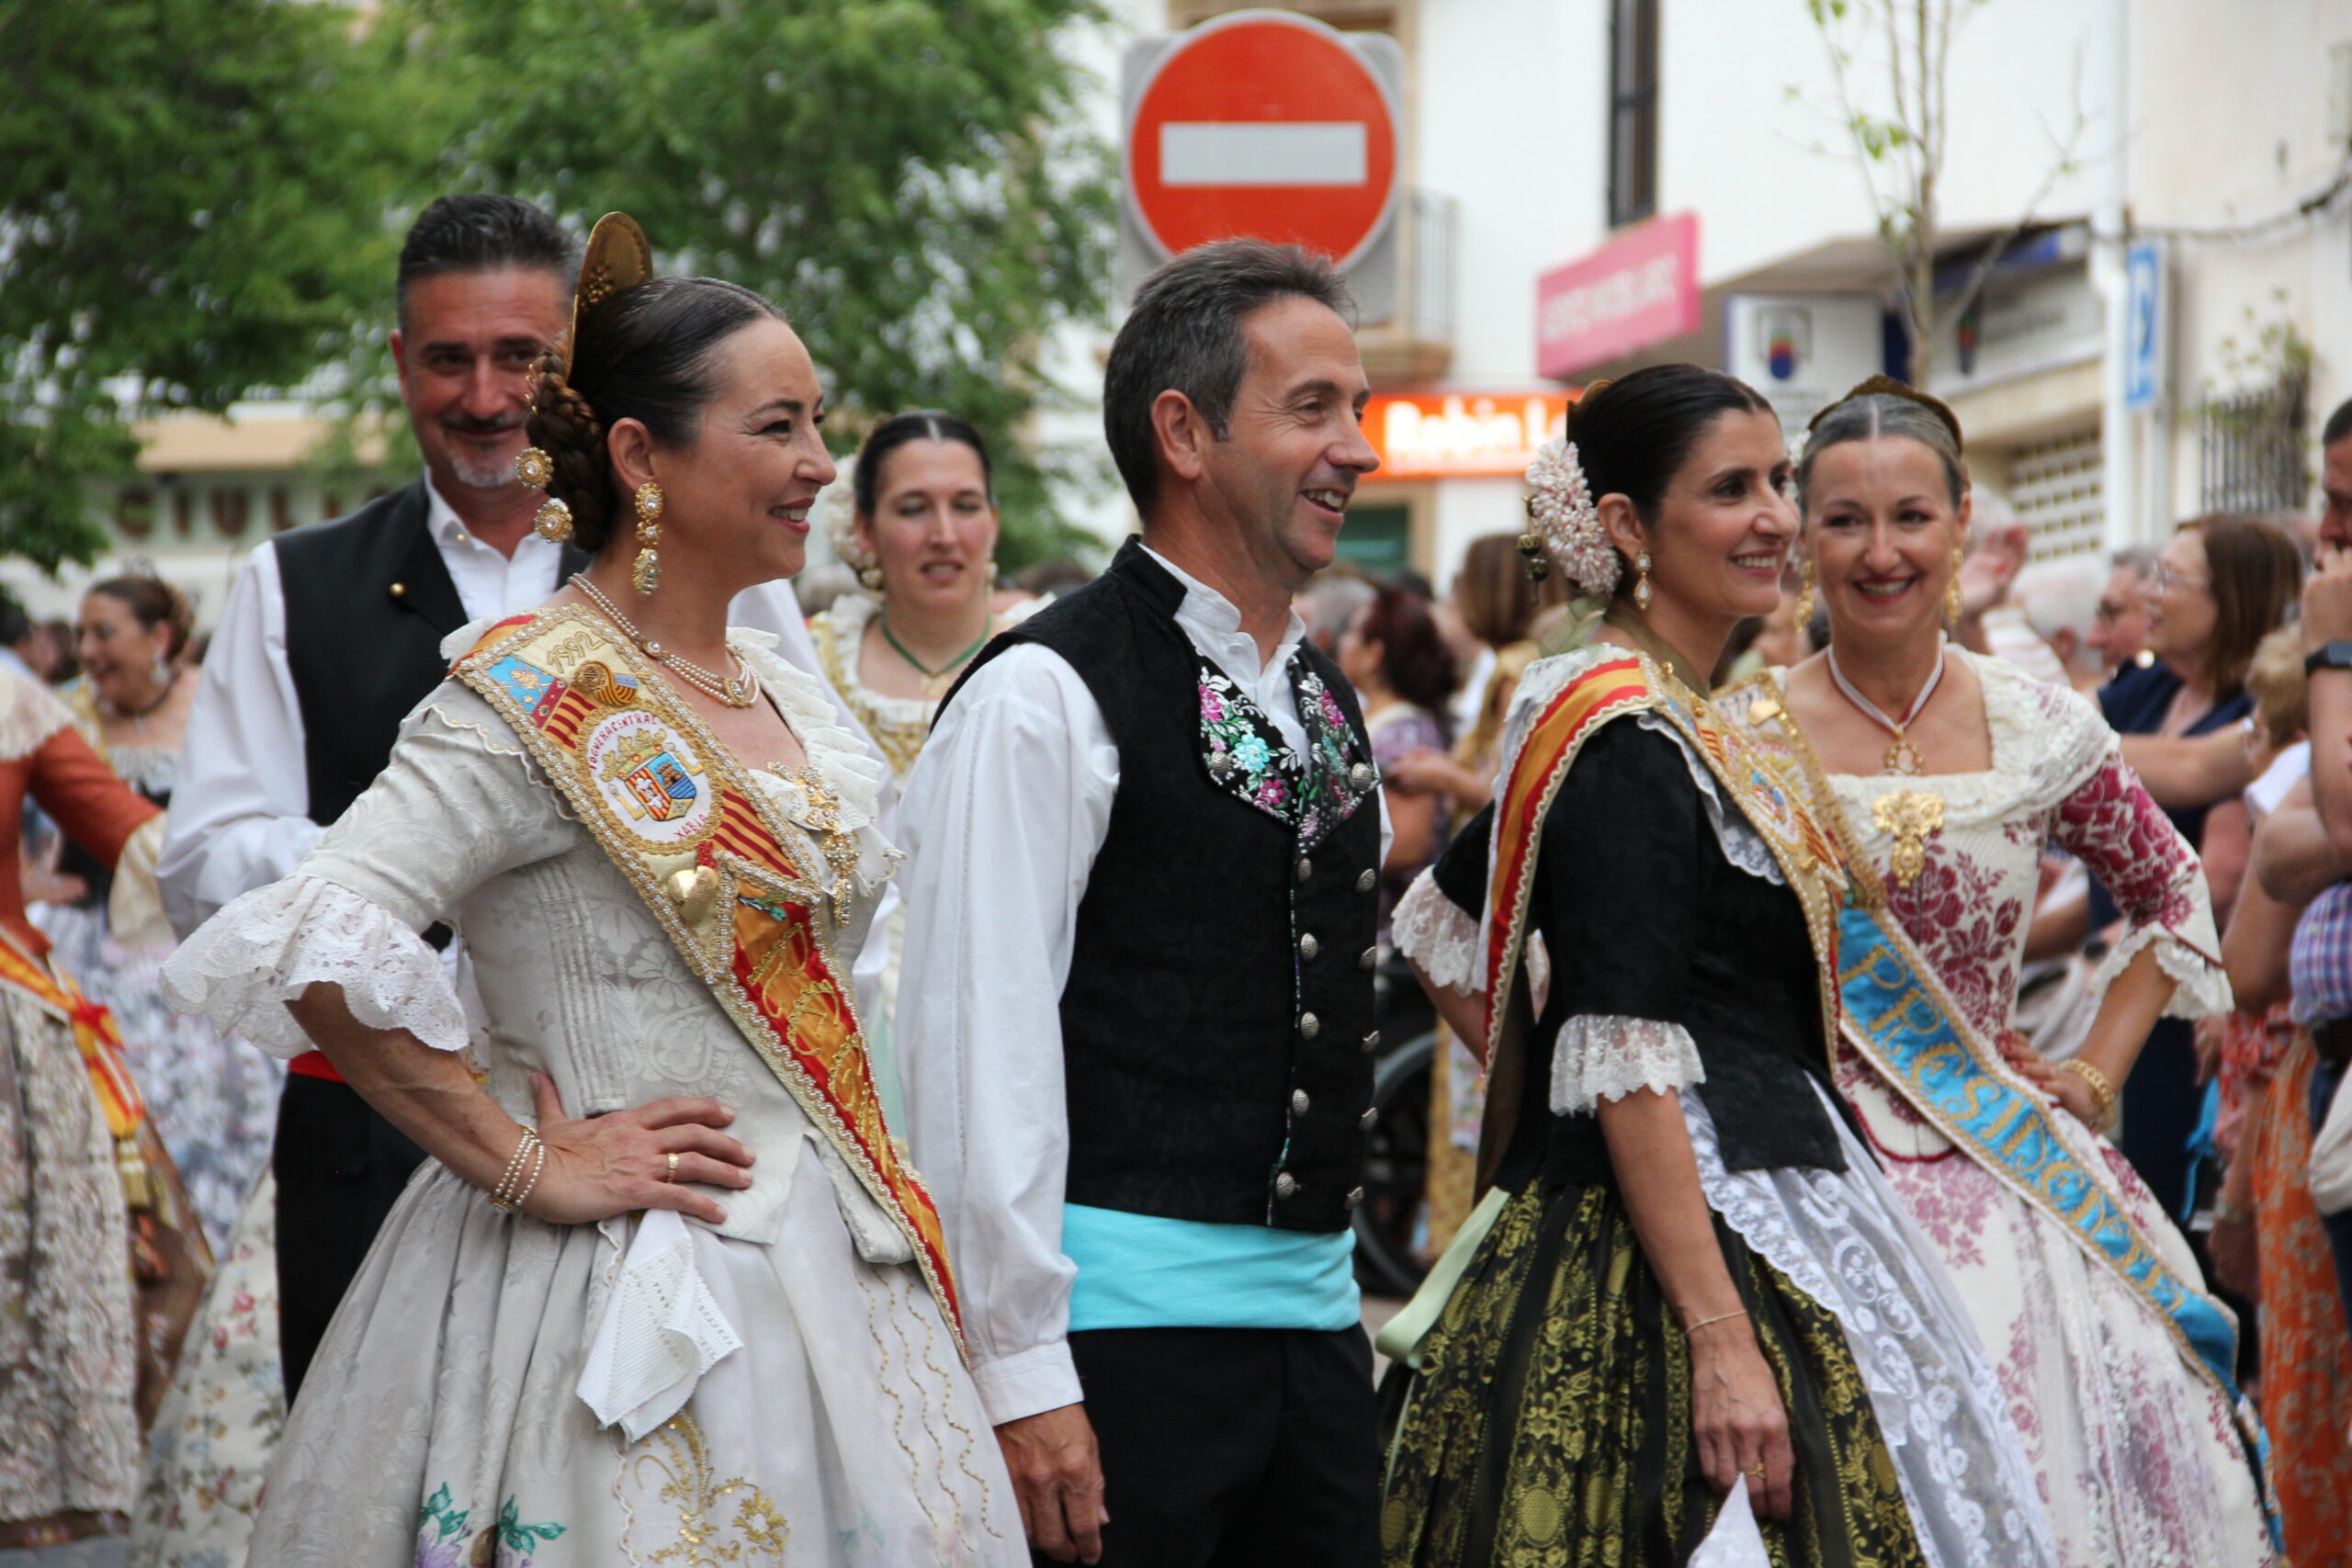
{"x": 673, "y": 1174}
{"x": 1756, "y": 1471}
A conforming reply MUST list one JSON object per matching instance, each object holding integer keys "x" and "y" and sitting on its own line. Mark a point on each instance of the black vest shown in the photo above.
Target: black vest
{"x": 368, "y": 601}
{"x": 1216, "y": 1024}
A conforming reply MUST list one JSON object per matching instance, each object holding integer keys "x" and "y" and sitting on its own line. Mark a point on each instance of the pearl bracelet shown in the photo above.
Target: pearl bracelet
{"x": 500, "y": 1198}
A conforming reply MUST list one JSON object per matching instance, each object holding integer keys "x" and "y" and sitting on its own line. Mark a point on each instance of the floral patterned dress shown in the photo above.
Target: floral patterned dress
{"x": 2140, "y": 1456}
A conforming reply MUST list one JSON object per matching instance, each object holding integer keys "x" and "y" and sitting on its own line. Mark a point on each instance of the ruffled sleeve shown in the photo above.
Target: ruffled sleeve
{"x": 2122, "y": 835}
{"x": 1620, "y": 886}
{"x": 456, "y": 805}
{"x": 264, "y": 948}
{"x": 1438, "y": 934}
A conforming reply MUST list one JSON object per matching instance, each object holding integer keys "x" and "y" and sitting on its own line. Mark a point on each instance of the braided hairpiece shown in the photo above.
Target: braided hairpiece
{"x": 618, "y": 256}
{"x": 1886, "y": 386}
{"x": 1563, "y": 524}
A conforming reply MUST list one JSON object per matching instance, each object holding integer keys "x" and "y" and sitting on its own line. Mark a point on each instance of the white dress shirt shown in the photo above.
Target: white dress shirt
{"x": 240, "y": 816}
{"x": 1003, "y": 815}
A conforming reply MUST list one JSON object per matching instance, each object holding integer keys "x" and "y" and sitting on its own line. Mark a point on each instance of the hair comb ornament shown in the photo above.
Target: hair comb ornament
{"x": 1885, "y": 386}
{"x": 618, "y": 256}
{"x": 1563, "y": 524}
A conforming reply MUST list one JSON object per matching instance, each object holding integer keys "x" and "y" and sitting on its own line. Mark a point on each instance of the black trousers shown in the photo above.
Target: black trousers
{"x": 1232, "y": 1448}
{"x": 340, "y": 1166}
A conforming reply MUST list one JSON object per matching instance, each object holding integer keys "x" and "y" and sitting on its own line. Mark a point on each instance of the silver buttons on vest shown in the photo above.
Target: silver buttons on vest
{"x": 1308, "y": 947}
{"x": 1369, "y": 880}
{"x": 1298, "y": 1102}
{"x": 1309, "y": 1026}
{"x": 1371, "y": 1115}
{"x": 1360, "y": 776}
{"x": 1371, "y": 956}
{"x": 1285, "y": 1185}
{"x": 1306, "y": 868}
{"x": 1355, "y": 1196}
{"x": 1371, "y": 1042}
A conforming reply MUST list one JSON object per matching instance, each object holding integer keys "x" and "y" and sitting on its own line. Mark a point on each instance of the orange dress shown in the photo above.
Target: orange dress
{"x": 2306, "y": 1349}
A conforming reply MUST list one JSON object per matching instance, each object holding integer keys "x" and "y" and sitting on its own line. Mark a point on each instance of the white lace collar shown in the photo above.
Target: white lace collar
{"x": 2046, "y": 740}
{"x": 29, "y": 715}
{"x": 847, "y": 618}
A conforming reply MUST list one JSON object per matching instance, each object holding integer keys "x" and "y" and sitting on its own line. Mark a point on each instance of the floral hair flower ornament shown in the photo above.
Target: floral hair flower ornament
{"x": 1563, "y": 528}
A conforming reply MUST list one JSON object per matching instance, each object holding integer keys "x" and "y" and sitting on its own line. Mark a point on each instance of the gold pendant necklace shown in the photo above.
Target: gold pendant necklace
{"x": 1906, "y": 816}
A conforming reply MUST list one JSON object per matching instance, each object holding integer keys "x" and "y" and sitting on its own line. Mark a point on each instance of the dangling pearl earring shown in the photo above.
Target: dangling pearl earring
{"x": 1952, "y": 605}
{"x": 645, "y": 575}
{"x": 1642, "y": 580}
{"x": 1804, "y": 592}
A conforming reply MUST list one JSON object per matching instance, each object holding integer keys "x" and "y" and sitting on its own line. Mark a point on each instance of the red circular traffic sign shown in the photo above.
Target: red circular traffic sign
{"x": 1266, "y": 125}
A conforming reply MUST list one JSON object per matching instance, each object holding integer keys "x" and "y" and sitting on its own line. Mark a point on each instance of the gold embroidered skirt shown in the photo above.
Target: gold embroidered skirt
{"x": 1550, "y": 1425}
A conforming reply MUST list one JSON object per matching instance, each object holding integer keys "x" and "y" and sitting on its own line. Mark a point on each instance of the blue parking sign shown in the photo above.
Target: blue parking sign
{"x": 2143, "y": 335}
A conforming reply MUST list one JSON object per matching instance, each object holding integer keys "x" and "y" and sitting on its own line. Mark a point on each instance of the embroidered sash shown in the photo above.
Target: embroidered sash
{"x": 1537, "y": 763}
{"x": 1899, "y": 1016}
{"x": 99, "y": 1041}
{"x": 692, "y": 833}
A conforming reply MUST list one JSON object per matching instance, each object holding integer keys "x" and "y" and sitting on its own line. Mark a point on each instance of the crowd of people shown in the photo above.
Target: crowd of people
{"x": 653, "y": 1074}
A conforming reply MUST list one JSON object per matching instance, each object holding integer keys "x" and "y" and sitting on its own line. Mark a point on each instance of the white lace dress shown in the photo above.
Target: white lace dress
{"x": 798, "y": 1393}
{"x": 2138, "y": 1455}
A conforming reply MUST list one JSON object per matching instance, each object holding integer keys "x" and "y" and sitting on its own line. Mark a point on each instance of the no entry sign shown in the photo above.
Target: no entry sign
{"x": 1265, "y": 124}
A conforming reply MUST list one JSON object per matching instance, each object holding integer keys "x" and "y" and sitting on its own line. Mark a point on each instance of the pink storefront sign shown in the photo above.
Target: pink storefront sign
{"x": 1640, "y": 288}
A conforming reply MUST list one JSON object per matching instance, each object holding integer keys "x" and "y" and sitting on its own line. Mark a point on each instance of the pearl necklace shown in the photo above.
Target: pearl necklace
{"x": 735, "y": 692}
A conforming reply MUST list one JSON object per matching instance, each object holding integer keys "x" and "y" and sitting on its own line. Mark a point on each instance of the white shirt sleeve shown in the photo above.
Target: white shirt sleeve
{"x": 240, "y": 816}
{"x": 1003, "y": 816}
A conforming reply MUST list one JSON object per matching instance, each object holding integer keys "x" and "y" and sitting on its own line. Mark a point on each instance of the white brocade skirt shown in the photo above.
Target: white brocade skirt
{"x": 2137, "y": 1452}
{"x": 442, "y": 1410}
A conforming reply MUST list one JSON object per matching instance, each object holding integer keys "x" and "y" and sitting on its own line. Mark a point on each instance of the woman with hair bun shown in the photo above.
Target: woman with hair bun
{"x": 667, "y": 1288}
{"x": 1942, "y": 774}
{"x": 214, "y": 1098}
{"x": 1689, "y": 1278}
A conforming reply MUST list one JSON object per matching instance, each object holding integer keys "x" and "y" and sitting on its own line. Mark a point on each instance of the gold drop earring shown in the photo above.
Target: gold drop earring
{"x": 1951, "y": 590}
{"x": 645, "y": 575}
{"x": 1804, "y": 592}
{"x": 1642, "y": 580}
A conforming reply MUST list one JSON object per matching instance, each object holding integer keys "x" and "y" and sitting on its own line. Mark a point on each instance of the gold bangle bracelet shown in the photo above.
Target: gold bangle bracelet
{"x": 2102, "y": 1090}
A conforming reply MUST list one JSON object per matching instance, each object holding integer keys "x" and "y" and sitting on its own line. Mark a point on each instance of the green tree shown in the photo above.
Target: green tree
{"x": 911, "y": 179}
{"x": 192, "y": 199}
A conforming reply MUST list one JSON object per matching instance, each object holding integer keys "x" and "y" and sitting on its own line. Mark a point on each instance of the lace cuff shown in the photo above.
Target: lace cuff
{"x": 1600, "y": 1057}
{"x": 2202, "y": 986}
{"x": 662, "y": 1329}
{"x": 1431, "y": 930}
{"x": 268, "y": 946}
{"x": 135, "y": 906}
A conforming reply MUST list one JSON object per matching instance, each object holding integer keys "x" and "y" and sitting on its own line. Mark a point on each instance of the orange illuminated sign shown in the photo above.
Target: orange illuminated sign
{"x": 1433, "y": 435}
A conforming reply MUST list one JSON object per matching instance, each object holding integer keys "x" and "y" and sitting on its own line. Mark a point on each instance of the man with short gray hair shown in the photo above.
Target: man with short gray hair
{"x": 1138, "y": 1000}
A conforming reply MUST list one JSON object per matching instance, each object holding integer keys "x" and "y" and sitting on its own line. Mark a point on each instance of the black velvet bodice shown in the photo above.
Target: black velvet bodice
{"x": 1644, "y": 916}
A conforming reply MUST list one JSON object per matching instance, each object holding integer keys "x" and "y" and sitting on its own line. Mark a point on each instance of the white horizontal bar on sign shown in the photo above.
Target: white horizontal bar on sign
{"x": 1262, "y": 153}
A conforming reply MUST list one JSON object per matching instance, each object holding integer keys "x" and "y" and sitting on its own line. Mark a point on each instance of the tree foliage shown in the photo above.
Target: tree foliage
{"x": 192, "y": 199}
{"x": 1900, "y": 146}
{"x": 907, "y": 177}
{"x": 200, "y": 199}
